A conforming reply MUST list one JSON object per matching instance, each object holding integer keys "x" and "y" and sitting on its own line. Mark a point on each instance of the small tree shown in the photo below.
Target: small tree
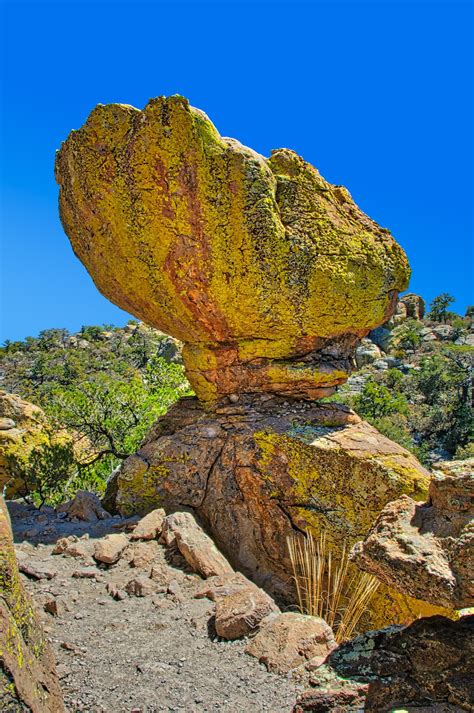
{"x": 439, "y": 307}
{"x": 376, "y": 401}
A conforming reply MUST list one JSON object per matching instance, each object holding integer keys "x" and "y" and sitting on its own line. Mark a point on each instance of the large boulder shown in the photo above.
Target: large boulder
{"x": 256, "y": 471}
{"x": 427, "y": 549}
{"x": 268, "y": 273}
{"x": 28, "y": 679}
{"x": 426, "y": 666}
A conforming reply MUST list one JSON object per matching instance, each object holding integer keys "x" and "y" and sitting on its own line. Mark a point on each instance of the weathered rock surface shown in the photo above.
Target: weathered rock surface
{"x": 291, "y": 639}
{"x": 414, "y": 305}
{"x": 255, "y": 470}
{"x": 242, "y": 612}
{"x": 427, "y": 550}
{"x": 267, "y": 272}
{"x": 197, "y": 548}
{"x": 426, "y": 666}
{"x": 84, "y": 506}
{"x": 150, "y": 526}
{"x": 28, "y": 679}
{"x": 109, "y": 549}
{"x": 22, "y": 428}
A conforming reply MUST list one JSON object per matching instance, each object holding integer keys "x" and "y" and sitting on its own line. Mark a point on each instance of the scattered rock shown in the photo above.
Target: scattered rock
{"x": 290, "y": 640}
{"x": 140, "y": 586}
{"x": 85, "y": 506}
{"x": 141, "y": 554}
{"x": 37, "y": 571}
{"x": 150, "y": 526}
{"x": 109, "y": 549}
{"x": 197, "y": 548}
{"x": 116, "y": 592}
{"x": 56, "y": 606}
{"x": 241, "y": 613}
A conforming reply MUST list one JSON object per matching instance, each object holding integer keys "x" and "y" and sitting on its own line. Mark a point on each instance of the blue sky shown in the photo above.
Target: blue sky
{"x": 377, "y": 95}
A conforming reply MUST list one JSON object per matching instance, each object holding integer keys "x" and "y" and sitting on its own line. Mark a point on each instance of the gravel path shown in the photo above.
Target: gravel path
{"x": 141, "y": 654}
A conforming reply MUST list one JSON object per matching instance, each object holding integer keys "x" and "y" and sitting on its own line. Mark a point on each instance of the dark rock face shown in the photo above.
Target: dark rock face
{"x": 28, "y": 680}
{"x": 426, "y": 666}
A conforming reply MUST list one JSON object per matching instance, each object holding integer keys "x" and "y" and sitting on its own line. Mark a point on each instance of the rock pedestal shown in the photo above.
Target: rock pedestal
{"x": 259, "y": 470}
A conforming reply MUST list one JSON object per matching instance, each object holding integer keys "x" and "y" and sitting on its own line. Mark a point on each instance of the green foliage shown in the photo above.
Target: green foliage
{"x": 104, "y": 386}
{"x": 439, "y": 307}
{"x": 407, "y": 335}
{"x": 45, "y": 472}
{"x": 376, "y": 401}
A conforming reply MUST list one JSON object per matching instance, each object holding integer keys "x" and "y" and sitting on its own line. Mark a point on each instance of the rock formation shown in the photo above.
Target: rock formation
{"x": 427, "y": 549}
{"x": 267, "y": 273}
{"x": 28, "y": 679}
{"x": 270, "y": 276}
{"x": 21, "y": 428}
{"x": 426, "y": 666}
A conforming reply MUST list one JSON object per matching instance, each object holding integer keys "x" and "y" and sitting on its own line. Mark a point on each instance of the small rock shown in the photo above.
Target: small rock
{"x": 37, "y": 571}
{"x": 110, "y": 548}
{"x": 241, "y": 613}
{"x": 140, "y": 586}
{"x": 115, "y": 592}
{"x": 291, "y": 639}
{"x": 197, "y": 548}
{"x": 149, "y": 527}
{"x": 85, "y": 506}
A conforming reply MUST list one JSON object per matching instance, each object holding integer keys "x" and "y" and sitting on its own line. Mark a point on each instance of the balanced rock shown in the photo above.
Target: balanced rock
{"x": 426, "y": 666}
{"x": 427, "y": 549}
{"x": 28, "y": 678}
{"x": 257, "y": 470}
{"x": 268, "y": 273}
{"x": 291, "y": 639}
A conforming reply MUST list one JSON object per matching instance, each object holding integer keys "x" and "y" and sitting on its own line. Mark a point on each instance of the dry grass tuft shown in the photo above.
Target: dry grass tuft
{"x": 334, "y": 590}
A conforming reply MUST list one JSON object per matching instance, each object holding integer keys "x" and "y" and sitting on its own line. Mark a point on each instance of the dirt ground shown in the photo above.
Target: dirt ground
{"x": 139, "y": 654}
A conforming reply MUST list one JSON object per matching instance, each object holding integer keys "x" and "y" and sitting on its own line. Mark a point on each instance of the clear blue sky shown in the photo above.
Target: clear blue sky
{"x": 377, "y": 95}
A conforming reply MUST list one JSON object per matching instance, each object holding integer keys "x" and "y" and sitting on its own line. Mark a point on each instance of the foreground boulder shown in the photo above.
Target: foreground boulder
{"x": 109, "y": 549}
{"x": 425, "y": 666}
{"x": 268, "y": 273}
{"x": 256, "y": 470}
{"x": 28, "y": 679}
{"x": 427, "y": 549}
{"x": 291, "y": 639}
{"x": 243, "y": 611}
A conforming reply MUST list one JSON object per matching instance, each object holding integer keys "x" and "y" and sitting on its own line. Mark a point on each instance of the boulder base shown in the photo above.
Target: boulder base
{"x": 257, "y": 470}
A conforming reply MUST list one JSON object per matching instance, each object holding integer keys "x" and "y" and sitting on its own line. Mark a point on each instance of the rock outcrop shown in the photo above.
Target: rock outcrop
{"x": 426, "y": 666}
{"x": 267, "y": 273}
{"x": 427, "y": 549}
{"x": 414, "y": 306}
{"x": 28, "y": 679}
{"x": 257, "y": 470}
{"x": 21, "y": 429}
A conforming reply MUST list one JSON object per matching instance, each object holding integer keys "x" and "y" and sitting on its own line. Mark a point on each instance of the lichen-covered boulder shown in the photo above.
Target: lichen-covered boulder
{"x": 28, "y": 679}
{"x": 256, "y": 471}
{"x": 427, "y": 549}
{"x": 267, "y": 273}
{"x": 22, "y": 428}
{"x": 426, "y": 666}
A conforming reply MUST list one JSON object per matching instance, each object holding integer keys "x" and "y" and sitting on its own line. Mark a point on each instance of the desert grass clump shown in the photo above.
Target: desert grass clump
{"x": 329, "y": 587}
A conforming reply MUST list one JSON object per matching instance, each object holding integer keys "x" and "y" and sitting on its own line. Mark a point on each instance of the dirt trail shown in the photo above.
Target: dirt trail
{"x": 139, "y": 654}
